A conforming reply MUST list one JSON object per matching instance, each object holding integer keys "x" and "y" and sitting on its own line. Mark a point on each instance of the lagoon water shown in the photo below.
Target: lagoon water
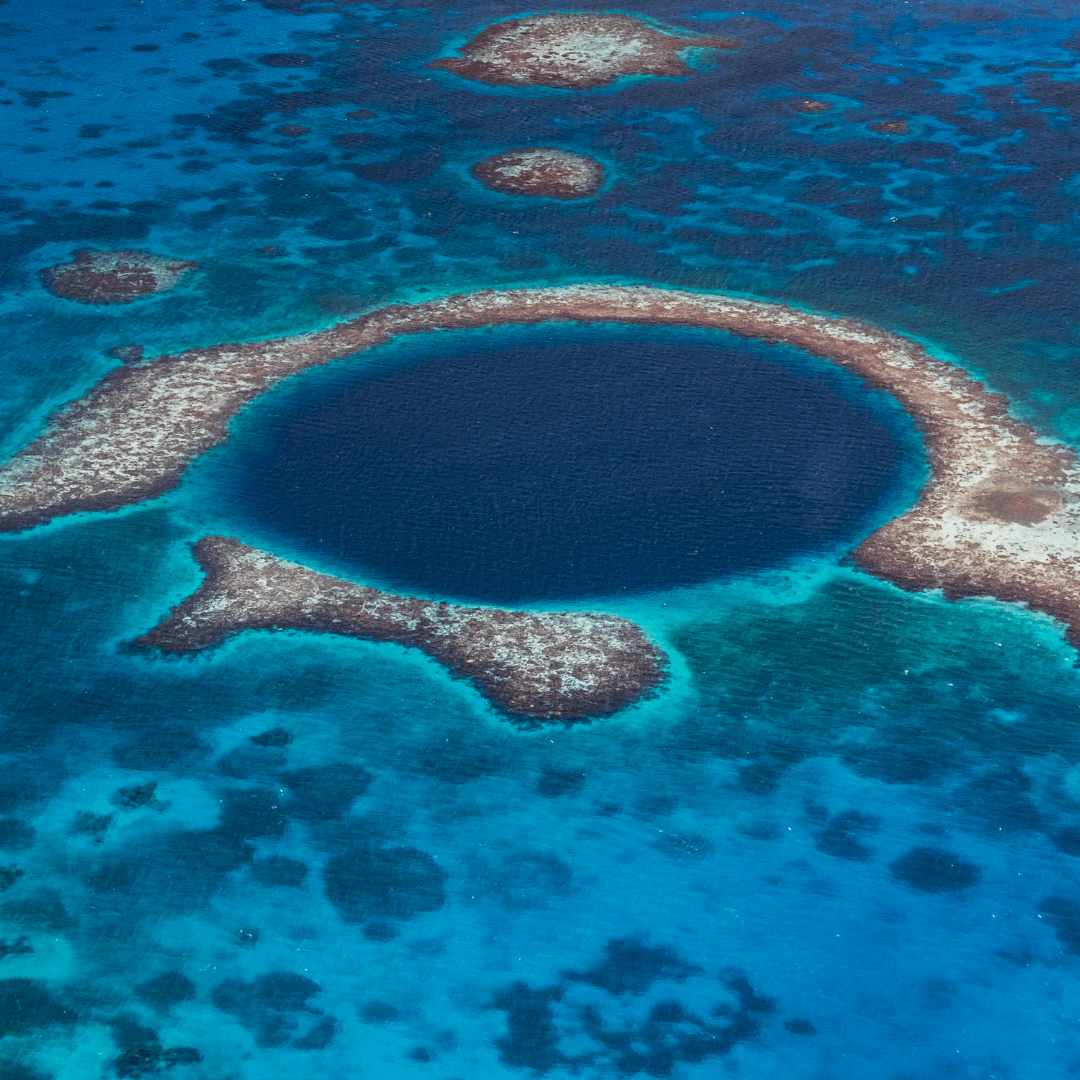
{"x": 843, "y": 840}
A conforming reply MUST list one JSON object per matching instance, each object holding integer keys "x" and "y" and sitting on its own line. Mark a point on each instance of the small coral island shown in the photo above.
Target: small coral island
{"x": 545, "y": 666}
{"x": 573, "y": 51}
{"x": 998, "y": 516}
{"x": 541, "y": 171}
{"x": 114, "y": 277}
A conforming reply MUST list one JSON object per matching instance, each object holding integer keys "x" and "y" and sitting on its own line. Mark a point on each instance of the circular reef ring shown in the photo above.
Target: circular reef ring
{"x": 998, "y": 516}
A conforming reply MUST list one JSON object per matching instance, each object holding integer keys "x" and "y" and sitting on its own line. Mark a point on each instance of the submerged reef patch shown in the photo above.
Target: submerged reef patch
{"x": 543, "y": 666}
{"x": 114, "y": 277}
{"x": 811, "y": 106}
{"x": 652, "y": 1038}
{"x": 541, "y": 171}
{"x": 569, "y": 51}
{"x": 935, "y": 871}
{"x": 999, "y": 515}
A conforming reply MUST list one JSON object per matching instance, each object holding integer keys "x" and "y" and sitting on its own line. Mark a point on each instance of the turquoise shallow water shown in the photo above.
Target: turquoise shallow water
{"x": 843, "y": 841}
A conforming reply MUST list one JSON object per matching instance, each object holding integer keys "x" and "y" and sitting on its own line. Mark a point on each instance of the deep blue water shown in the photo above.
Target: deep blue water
{"x": 578, "y": 465}
{"x": 843, "y": 842}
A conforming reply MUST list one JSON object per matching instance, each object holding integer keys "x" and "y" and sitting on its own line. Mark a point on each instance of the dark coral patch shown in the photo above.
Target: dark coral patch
{"x": 25, "y": 1005}
{"x": 269, "y": 1005}
{"x": 554, "y": 783}
{"x": 285, "y": 60}
{"x": 630, "y": 966}
{"x": 891, "y": 127}
{"x": 151, "y": 1059}
{"x": 352, "y": 140}
{"x": 15, "y": 833}
{"x": 753, "y": 219}
{"x": 1064, "y": 916}
{"x": 669, "y": 1035}
{"x": 326, "y": 791}
{"x": 531, "y": 1039}
{"x": 935, "y": 871}
{"x": 9, "y": 876}
{"x": 367, "y": 883}
{"x": 840, "y": 837}
{"x": 274, "y": 737}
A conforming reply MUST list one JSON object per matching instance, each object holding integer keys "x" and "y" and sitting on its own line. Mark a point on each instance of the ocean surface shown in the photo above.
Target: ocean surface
{"x": 842, "y": 841}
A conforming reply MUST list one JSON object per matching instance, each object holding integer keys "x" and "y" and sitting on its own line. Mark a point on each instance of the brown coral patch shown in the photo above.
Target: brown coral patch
{"x": 573, "y": 51}
{"x": 1024, "y": 507}
{"x": 541, "y": 171}
{"x": 127, "y": 354}
{"x": 114, "y": 277}
{"x": 891, "y": 127}
{"x": 811, "y": 106}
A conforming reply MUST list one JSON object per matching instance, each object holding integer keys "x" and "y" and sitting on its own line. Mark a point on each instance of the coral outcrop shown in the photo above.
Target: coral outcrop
{"x": 541, "y": 171}
{"x": 559, "y": 665}
{"x": 114, "y": 277}
{"x": 573, "y": 51}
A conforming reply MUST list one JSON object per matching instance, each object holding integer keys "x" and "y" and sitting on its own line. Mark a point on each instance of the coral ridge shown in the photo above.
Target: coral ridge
{"x": 538, "y": 666}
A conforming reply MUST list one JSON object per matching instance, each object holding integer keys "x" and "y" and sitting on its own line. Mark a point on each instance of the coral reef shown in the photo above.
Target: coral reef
{"x": 998, "y": 516}
{"x": 573, "y": 51}
{"x": 542, "y": 666}
{"x": 890, "y": 127}
{"x": 114, "y": 277}
{"x": 536, "y": 170}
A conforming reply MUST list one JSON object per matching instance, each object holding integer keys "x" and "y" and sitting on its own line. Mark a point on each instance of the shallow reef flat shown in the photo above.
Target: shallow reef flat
{"x": 536, "y": 666}
{"x": 568, "y": 51}
{"x": 998, "y": 515}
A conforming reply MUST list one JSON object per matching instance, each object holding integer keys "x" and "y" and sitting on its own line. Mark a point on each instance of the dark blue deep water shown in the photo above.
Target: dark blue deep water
{"x": 576, "y": 466}
{"x": 842, "y": 842}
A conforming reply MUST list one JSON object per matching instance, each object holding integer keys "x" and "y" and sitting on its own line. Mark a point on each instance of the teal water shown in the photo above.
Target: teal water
{"x": 842, "y": 842}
